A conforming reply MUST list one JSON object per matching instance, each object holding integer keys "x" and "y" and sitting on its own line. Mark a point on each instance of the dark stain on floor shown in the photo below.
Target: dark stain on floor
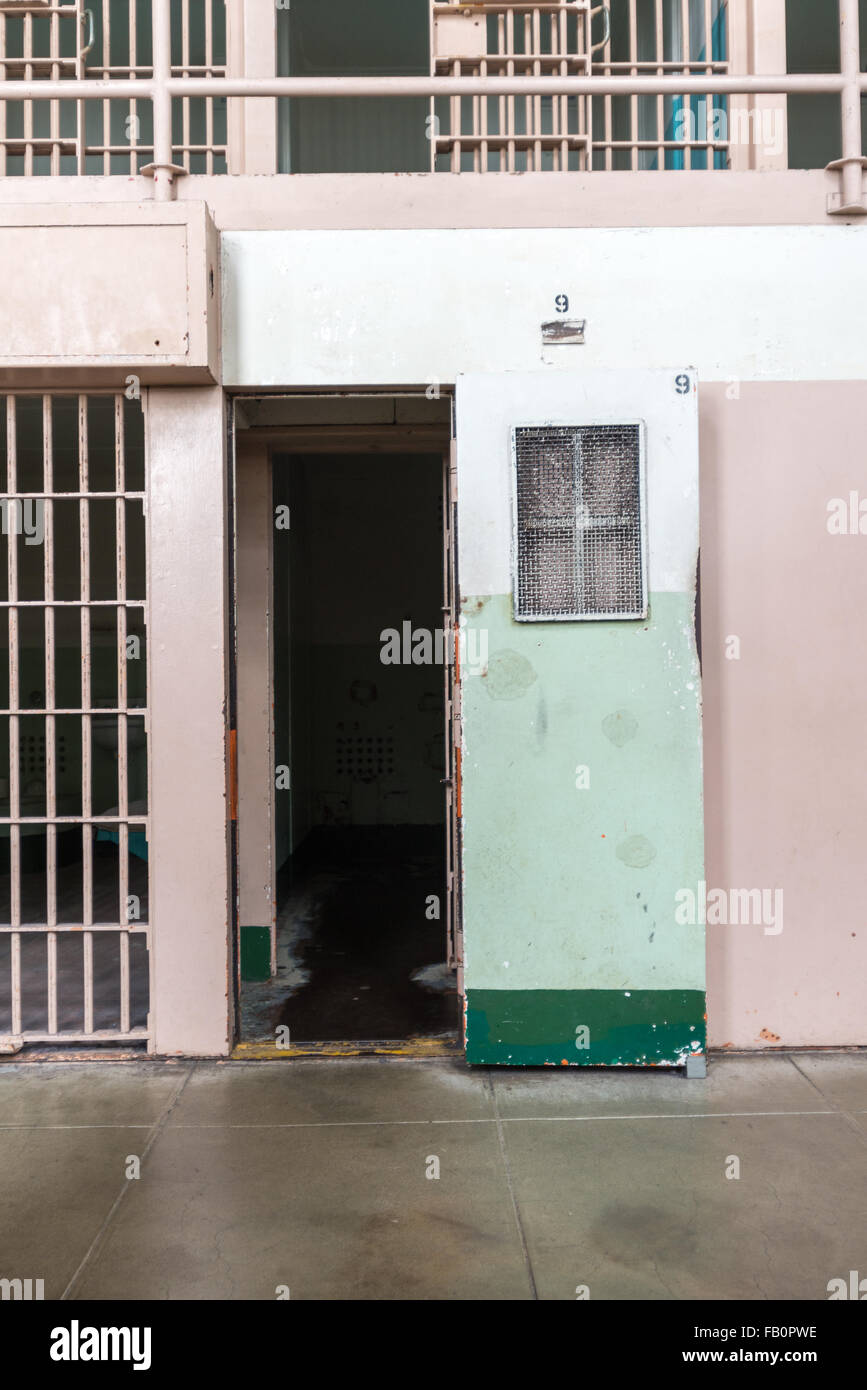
{"x": 363, "y": 893}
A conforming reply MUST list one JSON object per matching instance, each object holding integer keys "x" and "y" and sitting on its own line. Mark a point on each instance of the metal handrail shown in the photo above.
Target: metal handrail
{"x": 848, "y": 84}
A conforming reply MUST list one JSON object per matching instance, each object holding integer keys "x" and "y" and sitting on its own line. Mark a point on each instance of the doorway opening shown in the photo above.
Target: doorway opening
{"x": 362, "y": 683}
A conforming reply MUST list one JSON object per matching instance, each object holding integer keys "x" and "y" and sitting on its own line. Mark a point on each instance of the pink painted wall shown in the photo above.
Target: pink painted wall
{"x": 784, "y": 725}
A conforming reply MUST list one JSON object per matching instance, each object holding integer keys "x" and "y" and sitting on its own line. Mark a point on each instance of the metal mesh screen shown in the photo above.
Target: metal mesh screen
{"x": 578, "y": 505}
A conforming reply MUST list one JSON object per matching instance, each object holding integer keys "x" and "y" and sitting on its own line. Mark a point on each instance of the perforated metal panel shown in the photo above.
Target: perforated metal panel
{"x": 579, "y": 545}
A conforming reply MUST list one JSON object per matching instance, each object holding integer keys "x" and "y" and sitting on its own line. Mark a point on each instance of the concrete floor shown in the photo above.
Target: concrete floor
{"x": 311, "y": 1174}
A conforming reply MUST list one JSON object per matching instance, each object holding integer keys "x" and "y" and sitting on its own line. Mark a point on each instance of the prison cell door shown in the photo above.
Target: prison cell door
{"x": 580, "y": 718}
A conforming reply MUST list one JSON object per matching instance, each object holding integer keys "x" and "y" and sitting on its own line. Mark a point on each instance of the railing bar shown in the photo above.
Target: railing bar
{"x": 185, "y": 58}
{"x": 106, "y": 105}
{"x": 724, "y": 83}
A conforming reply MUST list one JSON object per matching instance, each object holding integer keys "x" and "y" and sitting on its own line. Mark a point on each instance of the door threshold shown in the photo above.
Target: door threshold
{"x": 267, "y": 1051}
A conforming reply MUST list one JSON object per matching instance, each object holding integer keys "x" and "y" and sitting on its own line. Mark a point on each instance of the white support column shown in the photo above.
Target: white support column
{"x": 191, "y": 970}
{"x": 256, "y": 787}
{"x": 252, "y": 52}
{"x": 758, "y": 125}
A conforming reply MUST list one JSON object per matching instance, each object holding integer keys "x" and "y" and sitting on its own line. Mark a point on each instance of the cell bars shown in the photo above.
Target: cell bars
{"x": 662, "y": 38}
{"x": 577, "y": 38}
{"x": 73, "y": 708}
{"x": 110, "y": 40}
{"x": 579, "y": 544}
{"x": 508, "y": 39}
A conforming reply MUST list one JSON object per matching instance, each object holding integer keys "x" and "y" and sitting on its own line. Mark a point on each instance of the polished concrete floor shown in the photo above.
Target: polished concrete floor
{"x": 313, "y": 1175}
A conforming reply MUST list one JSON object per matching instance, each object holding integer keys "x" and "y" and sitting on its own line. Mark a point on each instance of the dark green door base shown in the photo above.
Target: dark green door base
{"x": 255, "y": 953}
{"x": 589, "y": 1028}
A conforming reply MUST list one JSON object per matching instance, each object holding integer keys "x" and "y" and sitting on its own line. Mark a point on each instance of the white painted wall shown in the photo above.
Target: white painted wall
{"x": 405, "y": 307}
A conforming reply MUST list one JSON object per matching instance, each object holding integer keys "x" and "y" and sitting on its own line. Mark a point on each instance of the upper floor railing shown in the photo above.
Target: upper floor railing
{"x": 165, "y": 87}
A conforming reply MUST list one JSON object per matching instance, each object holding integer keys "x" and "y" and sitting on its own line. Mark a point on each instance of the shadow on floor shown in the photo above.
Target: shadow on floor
{"x": 358, "y": 958}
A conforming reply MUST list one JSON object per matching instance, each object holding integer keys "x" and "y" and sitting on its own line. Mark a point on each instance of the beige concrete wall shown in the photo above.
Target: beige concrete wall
{"x": 785, "y": 791}
{"x": 191, "y": 968}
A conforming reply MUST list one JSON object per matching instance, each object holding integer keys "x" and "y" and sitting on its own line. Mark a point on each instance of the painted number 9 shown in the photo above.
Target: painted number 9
{"x": 561, "y": 303}
{"x": 681, "y": 384}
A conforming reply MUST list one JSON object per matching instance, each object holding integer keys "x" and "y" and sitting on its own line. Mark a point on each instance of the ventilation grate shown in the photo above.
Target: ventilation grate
{"x": 578, "y": 522}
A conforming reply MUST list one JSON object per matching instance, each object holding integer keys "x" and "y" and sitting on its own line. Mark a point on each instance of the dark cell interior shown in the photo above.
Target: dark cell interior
{"x": 360, "y": 830}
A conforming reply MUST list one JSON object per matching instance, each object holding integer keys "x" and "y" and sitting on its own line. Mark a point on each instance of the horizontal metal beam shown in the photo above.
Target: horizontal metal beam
{"x": 526, "y": 85}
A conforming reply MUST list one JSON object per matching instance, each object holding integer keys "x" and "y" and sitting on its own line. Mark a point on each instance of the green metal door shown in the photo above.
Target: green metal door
{"x": 581, "y": 773}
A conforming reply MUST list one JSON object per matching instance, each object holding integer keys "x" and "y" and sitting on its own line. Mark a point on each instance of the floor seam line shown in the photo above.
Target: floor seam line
{"x": 528, "y": 1264}
{"x": 99, "y": 1239}
{"x": 846, "y": 1114}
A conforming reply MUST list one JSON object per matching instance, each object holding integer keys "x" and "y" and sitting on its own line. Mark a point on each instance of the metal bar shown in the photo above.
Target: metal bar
{"x": 633, "y": 100}
{"x": 53, "y": 106}
{"x": 99, "y": 1035}
{"x": 88, "y": 981}
{"x": 122, "y": 719}
{"x": 52, "y": 982}
{"x": 684, "y": 9}
{"x": 14, "y": 731}
{"x": 185, "y": 62}
{"x": 28, "y": 108}
{"x": 86, "y": 725}
{"x": 106, "y": 105}
{"x": 510, "y": 104}
{"x": 660, "y": 100}
{"x": 42, "y": 927}
{"x": 2, "y": 103}
{"x": 852, "y": 163}
{"x": 111, "y": 819}
{"x": 209, "y": 105}
{"x": 16, "y": 983}
{"x": 650, "y": 84}
{"x": 50, "y": 719}
{"x": 163, "y": 167}
{"x": 124, "y": 983}
{"x": 133, "y": 105}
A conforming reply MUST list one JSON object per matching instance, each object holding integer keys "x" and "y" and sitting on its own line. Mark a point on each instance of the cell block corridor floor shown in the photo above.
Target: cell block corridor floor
{"x": 402, "y": 1179}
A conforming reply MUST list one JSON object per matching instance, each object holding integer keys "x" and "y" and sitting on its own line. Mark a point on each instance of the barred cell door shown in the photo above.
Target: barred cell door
{"x": 581, "y": 777}
{"x": 74, "y": 960}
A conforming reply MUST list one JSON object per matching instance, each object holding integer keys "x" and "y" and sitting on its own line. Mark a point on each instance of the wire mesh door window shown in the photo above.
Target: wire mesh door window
{"x": 578, "y": 522}
{"x": 73, "y": 710}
